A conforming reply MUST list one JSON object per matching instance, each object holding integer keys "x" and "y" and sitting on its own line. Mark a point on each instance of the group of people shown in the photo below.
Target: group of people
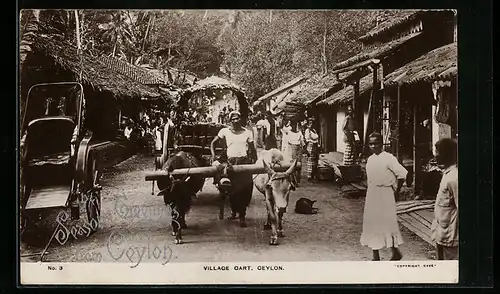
{"x": 150, "y": 128}
{"x": 294, "y": 138}
{"x": 385, "y": 177}
{"x": 223, "y": 117}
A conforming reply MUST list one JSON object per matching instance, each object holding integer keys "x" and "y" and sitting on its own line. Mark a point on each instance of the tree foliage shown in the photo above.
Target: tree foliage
{"x": 258, "y": 49}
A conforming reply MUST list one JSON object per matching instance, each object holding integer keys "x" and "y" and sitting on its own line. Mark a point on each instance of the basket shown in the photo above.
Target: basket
{"x": 325, "y": 173}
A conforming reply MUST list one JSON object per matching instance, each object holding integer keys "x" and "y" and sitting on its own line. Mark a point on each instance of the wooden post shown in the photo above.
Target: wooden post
{"x": 358, "y": 118}
{"x": 119, "y": 115}
{"x": 374, "y": 101}
{"x": 381, "y": 98}
{"x": 398, "y": 124}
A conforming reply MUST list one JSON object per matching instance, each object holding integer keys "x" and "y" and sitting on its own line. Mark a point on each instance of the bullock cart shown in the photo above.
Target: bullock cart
{"x": 58, "y": 156}
{"x": 181, "y": 170}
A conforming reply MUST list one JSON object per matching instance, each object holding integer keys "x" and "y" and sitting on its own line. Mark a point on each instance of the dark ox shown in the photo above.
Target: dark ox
{"x": 276, "y": 187}
{"x": 178, "y": 191}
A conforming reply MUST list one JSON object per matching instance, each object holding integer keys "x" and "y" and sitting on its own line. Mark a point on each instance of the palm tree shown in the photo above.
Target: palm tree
{"x": 29, "y": 20}
{"x": 117, "y": 31}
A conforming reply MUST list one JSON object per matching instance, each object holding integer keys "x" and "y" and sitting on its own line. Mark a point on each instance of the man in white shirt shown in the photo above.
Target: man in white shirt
{"x": 262, "y": 129}
{"x": 167, "y": 133}
{"x": 240, "y": 150}
{"x": 444, "y": 228}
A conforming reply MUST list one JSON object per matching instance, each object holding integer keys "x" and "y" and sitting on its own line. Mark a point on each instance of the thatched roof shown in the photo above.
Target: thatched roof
{"x": 439, "y": 64}
{"x": 180, "y": 78}
{"x": 317, "y": 87}
{"x": 377, "y": 52}
{"x": 399, "y": 18}
{"x": 94, "y": 71}
{"x": 346, "y": 94}
{"x": 398, "y": 22}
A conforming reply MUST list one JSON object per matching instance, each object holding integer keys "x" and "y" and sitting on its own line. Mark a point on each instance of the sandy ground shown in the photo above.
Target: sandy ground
{"x": 135, "y": 228}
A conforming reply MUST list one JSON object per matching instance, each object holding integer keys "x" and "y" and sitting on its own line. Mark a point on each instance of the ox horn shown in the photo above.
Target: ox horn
{"x": 290, "y": 170}
{"x": 268, "y": 169}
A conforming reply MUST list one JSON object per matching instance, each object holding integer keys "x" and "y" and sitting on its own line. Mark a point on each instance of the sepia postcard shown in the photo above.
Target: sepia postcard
{"x": 170, "y": 147}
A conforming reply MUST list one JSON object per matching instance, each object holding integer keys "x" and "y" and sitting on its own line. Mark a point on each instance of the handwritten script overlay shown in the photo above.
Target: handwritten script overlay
{"x": 64, "y": 232}
{"x": 121, "y": 248}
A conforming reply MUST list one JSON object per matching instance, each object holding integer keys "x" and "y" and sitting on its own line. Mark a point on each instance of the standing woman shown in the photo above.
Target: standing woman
{"x": 158, "y": 136}
{"x": 348, "y": 128}
{"x": 295, "y": 142}
{"x": 385, "y": 177}
{"x": 312, "y": 139}
{"x": 284, "y": 136}
{"x": 279, "y": 133}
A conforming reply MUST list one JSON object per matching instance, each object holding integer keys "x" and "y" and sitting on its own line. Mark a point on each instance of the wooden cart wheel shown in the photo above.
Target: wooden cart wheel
{"x": 93, "y": 205}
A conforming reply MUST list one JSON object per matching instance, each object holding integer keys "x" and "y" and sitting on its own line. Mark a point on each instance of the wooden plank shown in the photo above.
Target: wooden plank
{"x": 422, "y": 220}
{"x": 401, "y": 210}
{"x": 415, "y": 222}
{"x": 428, "y": 214}
{"x": 416, "y": 227}
{"x": 358, "y": 186}
{"x": 420, "y": 234}
{"x": 54, "y": 196}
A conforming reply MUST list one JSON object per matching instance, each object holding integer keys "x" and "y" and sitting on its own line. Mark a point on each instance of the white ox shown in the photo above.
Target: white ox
{"x": 276, "y": 187}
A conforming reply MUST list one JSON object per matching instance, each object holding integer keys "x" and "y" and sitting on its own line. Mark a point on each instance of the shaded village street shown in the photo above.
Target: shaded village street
{"x": 131, "y": 213}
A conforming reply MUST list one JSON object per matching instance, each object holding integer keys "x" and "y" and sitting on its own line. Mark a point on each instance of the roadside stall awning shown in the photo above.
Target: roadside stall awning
{"x": 346, "y": 94}
{"x": 439, "y": 64}
{"x": 375, "y": 53}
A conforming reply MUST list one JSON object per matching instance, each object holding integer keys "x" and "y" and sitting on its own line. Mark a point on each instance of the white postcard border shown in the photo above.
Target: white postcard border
{"x": 358, "y": 272}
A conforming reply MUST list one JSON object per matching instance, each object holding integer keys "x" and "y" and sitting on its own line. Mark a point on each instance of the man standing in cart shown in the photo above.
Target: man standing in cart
{"x": 240, "y": 150}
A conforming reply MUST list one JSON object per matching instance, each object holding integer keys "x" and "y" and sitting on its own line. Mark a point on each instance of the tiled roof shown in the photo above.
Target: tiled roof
{"x": 137, "y": 73}
{"x": 280, "y": 89}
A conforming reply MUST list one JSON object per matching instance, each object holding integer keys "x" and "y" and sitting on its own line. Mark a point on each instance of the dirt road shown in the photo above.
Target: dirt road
{"x": 135, "y": 228}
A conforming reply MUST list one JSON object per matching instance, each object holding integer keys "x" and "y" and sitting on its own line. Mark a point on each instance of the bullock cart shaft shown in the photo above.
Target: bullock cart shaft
{"x": 214, "y": 170}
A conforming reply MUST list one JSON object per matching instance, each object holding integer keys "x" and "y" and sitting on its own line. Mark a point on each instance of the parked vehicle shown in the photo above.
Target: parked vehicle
{"x": 58, "y": 165}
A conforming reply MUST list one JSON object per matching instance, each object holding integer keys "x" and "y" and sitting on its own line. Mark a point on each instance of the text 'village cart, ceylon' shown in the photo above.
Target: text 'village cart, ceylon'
{"x": 189, "y": 140}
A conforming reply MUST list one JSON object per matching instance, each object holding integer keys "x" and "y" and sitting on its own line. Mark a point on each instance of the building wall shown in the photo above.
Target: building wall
{"x": 328, "y": 129}
{"x": 365, "y": 122}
